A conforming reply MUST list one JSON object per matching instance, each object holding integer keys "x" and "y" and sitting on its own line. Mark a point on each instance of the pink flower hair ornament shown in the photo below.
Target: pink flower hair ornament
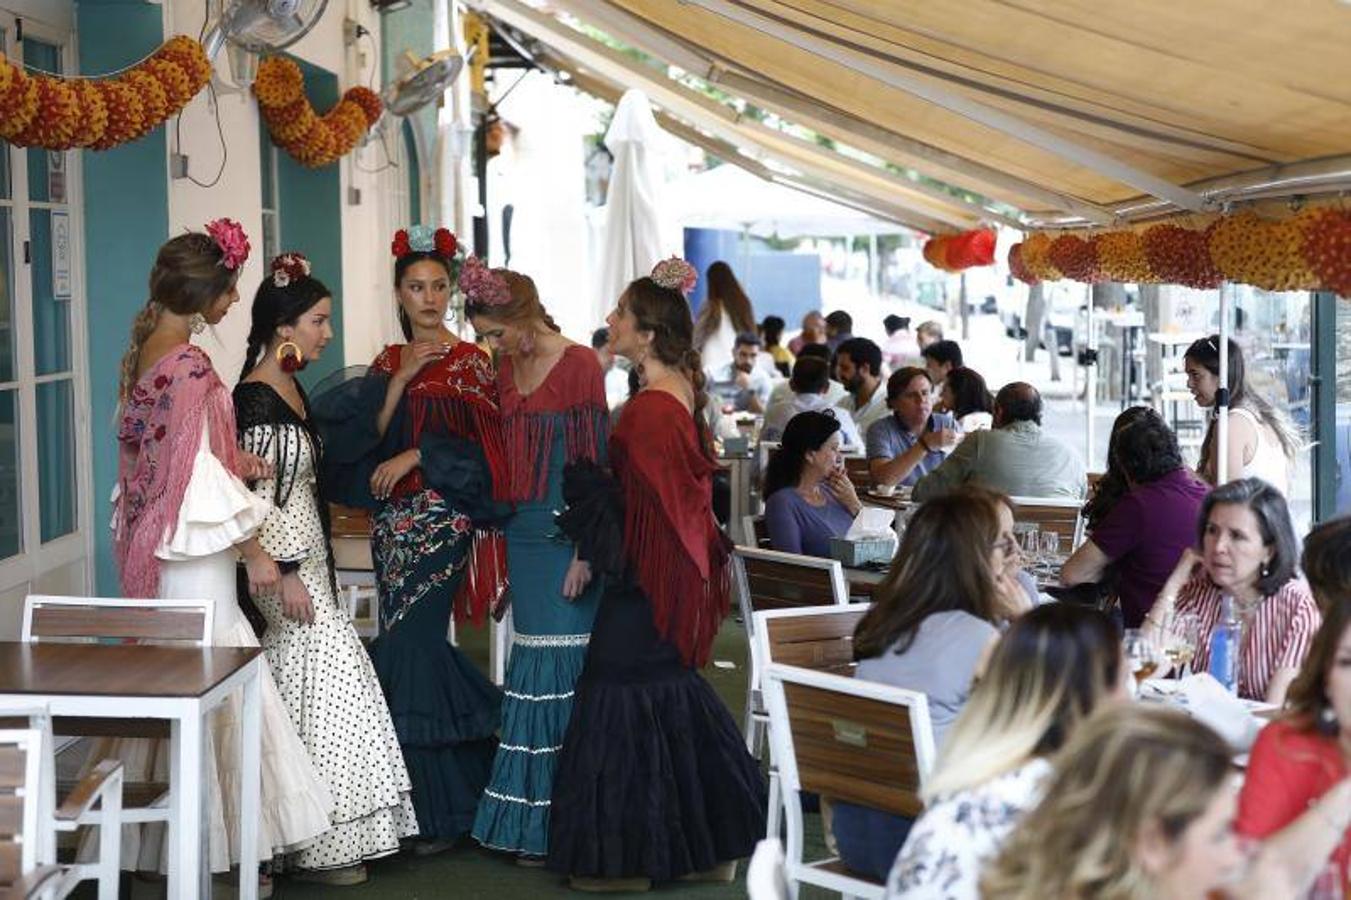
{"x": 482, "y": 286}
{"x": 675, "y": 274}
{"x": 289, "y": 267}
{"x": 230, "y": 238}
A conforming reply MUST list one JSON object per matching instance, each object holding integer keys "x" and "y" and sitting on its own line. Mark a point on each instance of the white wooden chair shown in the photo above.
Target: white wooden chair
{"x": 28, "y": 821}
{"x": 92, "y": 619}
{"x": 768, "y": 579}
{"x": 845, "y": 739}
{"x": 765, "y": 874}
{"x": 1058, "y": 514}
{"x": 820, "y": 638}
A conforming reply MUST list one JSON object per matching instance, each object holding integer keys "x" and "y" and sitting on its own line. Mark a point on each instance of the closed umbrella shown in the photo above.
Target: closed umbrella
{"x": 633, "y": 241}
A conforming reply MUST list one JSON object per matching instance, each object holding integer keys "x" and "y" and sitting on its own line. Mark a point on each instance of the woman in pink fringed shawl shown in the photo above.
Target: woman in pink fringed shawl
{"x": 181, "y": 519}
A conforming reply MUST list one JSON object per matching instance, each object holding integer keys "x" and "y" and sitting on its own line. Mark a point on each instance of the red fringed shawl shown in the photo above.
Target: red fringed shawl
{"x": 456, "y": 396}
{"x": 572, "y": 396}
{"x": 158, "y": 435}
{"x": 670, "y": 536}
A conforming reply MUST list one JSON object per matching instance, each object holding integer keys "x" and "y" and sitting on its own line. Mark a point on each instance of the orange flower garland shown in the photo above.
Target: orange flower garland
{"x": 1310, "y": 251}
{"x": 57, "y": 113}
{"x": 311, "y": 139}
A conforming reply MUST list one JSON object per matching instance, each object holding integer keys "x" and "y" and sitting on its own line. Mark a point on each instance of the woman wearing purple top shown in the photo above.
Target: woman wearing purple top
{"x": 808, "y": 497}
{"x": 1141, "y": 537}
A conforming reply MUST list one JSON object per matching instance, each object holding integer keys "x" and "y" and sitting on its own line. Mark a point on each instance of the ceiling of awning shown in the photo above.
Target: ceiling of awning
{"x": 1064, "y": 109}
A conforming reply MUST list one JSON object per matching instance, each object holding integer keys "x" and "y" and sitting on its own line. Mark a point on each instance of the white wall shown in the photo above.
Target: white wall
{"x": 366, "y": 228}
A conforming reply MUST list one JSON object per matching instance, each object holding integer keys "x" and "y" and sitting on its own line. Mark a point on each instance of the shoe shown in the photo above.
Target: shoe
{"x": 723, "y": 873}
{"x": 431, "y": 847}
{"x": 529, "y": 861}
{"x": 610, "y": 885}
{"x": 347, "y": 875}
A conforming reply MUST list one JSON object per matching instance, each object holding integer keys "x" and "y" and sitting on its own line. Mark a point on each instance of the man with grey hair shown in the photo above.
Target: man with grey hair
{"x": 1016, "y": 458}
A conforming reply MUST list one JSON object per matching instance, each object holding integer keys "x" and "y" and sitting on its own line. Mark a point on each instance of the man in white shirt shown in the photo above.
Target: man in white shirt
{"x": 742, "y": 384}
{"x": 858, "y": 365}
{"x": 810, "y": 381}
{"x": 835, "y": 391}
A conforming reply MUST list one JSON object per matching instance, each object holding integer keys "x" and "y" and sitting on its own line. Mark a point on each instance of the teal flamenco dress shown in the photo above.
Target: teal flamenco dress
{"x": 562, "y": 421}
{"x": 435, "y": 549}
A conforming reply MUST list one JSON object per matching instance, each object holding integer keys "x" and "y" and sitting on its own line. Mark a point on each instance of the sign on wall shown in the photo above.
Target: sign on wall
{"x": 60, "y": 254}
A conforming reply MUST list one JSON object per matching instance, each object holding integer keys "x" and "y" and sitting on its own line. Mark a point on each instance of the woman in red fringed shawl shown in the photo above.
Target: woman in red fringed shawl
{"x": 418, "y": 439}
{"x": 553, "y": 413}
{"x": 653, "y": 781}
{"x": 182, "y": 517}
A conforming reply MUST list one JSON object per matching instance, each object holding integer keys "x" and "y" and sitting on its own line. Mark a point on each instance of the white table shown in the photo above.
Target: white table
{"x": 180, "y": 684}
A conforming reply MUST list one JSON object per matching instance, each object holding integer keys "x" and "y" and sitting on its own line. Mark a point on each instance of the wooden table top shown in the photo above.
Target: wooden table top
{"x": 117, "y": 670}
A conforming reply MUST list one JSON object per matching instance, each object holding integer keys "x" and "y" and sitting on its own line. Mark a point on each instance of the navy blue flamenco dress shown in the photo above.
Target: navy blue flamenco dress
{"x": 435, "y": 550}
{"x": 654, "y": 779}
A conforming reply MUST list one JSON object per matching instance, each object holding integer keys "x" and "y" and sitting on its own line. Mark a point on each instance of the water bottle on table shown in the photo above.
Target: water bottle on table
{"x": 1225, "y": 641}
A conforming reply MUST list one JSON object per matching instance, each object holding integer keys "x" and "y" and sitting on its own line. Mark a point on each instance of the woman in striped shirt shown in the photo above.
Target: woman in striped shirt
{"x": 1248, "y": 552}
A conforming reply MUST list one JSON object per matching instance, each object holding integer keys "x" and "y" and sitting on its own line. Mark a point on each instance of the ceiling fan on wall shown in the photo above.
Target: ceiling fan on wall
{"x": 249, "y": 28}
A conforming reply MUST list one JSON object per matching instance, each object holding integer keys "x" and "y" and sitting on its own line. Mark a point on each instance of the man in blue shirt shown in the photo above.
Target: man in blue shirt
{"x": 913, "y": 440}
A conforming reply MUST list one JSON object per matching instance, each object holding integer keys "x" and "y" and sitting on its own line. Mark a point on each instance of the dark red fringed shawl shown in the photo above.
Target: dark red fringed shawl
{"x": 457, "y": 396}
{"x": 572, "y": 397}
{"x": 159, "y": 431}
{"x": 670, "y": 537}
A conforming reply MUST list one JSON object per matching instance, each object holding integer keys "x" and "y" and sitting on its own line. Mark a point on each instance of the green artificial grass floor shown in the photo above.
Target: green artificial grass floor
{"x": 467, "y": 872}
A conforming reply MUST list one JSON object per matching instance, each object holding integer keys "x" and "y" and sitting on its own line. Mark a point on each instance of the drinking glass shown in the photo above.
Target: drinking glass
{"x": 1141, "y": 654}
{"x": 1050, "y": 548}
{"x": 1181, "y": 634}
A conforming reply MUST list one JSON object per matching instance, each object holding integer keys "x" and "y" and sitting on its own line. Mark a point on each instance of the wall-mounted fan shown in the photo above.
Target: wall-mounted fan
{"x": 249, "y": 28}
{"x": 424, "y": 81}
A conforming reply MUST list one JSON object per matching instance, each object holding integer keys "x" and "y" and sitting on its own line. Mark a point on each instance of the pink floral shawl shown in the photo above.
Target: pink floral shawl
{"x": 158, "y": 436}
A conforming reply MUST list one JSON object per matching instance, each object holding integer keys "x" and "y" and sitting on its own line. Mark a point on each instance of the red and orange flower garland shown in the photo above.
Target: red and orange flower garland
{"x": 57, "y": 113}
{"x": 954, "y": 252}
{"x": 1310, "y": 251}
{"x": 313, "y": 140}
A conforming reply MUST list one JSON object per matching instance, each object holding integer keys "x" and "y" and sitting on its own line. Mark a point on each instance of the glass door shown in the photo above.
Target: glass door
{"x": 44, "y": 488}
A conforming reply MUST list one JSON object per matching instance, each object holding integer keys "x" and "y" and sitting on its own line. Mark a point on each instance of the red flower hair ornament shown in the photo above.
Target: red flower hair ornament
{"x": 289, "y": 267}
{"x": 230, "y": 238}
{"x": 424, "y": 239}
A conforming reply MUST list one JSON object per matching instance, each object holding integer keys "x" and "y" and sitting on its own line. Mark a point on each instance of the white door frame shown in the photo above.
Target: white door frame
{"x": 35, "y": 558}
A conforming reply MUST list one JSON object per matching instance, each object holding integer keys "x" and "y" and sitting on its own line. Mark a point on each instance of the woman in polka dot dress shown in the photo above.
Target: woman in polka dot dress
{"x": 323, "y": 672}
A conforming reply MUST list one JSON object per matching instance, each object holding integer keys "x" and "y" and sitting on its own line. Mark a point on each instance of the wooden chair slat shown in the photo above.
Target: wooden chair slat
{"x": 12, "y": 761}
{"x": 11, "y": 861}
{"x": 823, "y": 642}
{"x": 349, "y": 521}
{"x": 11, "y": 814}
{"x": 77, "y": 726}
{"x": 117, "y": 623}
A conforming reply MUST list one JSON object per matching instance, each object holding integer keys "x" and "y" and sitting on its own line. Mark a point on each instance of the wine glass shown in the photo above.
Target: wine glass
{"x": 1141, "y": 654}
{"x": 1050, "y": 550}
{"x": 1180, "y": 635}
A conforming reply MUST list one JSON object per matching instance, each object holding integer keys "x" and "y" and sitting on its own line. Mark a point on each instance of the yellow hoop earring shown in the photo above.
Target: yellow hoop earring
{"x": 290, "y": 357}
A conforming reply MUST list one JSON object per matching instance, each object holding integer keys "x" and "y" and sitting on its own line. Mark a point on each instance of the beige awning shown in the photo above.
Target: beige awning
{"x": 1068, "y": 110}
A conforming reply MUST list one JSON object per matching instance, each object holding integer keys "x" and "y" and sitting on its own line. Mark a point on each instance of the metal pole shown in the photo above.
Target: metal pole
{"x": 1090, "y": 378}
{"x": 1222, "y": 394}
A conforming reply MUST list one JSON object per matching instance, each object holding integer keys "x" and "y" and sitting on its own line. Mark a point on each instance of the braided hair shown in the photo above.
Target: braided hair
{"x": 274, "y": 307}
{"x": 664, "y": 312}
{"x": 187, "y": 278}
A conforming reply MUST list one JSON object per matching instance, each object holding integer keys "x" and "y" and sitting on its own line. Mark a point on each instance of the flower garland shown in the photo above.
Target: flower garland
{"x": 955, "y": 252}
{"x": 1309, "y": 251}
{"x": 313, "y": 140}
{"x": 57, "y": 113}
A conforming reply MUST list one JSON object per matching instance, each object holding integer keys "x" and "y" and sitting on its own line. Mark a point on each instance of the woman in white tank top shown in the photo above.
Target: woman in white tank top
{"x": 1261, "y": 441}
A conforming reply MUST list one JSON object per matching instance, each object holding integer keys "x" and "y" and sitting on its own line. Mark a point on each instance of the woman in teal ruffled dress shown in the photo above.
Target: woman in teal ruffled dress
{"x": 553, "y": 412}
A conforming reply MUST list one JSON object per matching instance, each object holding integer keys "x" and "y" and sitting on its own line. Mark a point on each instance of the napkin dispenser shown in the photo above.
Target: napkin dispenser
{"x": 870, "y": 538}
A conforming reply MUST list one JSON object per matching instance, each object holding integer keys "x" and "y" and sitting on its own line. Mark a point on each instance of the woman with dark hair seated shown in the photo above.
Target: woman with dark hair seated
{"x": 1296, "y": 795}
{"x": 808, "y": 497}
{"x": 1112, "y": 486}
{"x": 1247, "y": 561}
{"x": 952, "y": 582}
{"x": 965, "y": 395}
{"x": 1147, "y": 529}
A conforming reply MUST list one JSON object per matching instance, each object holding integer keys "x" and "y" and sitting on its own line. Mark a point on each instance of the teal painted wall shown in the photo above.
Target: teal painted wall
{"x": 126, "y": 218}
{"x": 310, "y": 206}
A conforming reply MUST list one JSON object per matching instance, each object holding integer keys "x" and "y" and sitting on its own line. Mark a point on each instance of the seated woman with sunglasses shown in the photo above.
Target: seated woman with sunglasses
{"x": 808, "y": 497}
{"x": 936, "y": 614}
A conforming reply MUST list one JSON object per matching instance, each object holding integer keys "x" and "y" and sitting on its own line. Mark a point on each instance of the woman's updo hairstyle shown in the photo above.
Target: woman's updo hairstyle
{"x": 280, "y": 301}
{"x": 522, "y": 308}
{"x": 805, "y": 432}
{"x": 401, "y": 266}
{"x": 188, "y": 276}
{"x": 665, "y": 312}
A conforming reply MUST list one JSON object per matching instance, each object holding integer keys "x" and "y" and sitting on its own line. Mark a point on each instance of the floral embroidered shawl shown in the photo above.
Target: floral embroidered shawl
{"x": 159, "y": 432}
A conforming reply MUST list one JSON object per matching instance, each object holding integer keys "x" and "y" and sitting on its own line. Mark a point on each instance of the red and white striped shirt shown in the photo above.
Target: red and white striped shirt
{"x": 1276, "y": 637}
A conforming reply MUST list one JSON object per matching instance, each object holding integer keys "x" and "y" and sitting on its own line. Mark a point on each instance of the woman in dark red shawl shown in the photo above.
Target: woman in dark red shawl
{"x": 654, "y": 781}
